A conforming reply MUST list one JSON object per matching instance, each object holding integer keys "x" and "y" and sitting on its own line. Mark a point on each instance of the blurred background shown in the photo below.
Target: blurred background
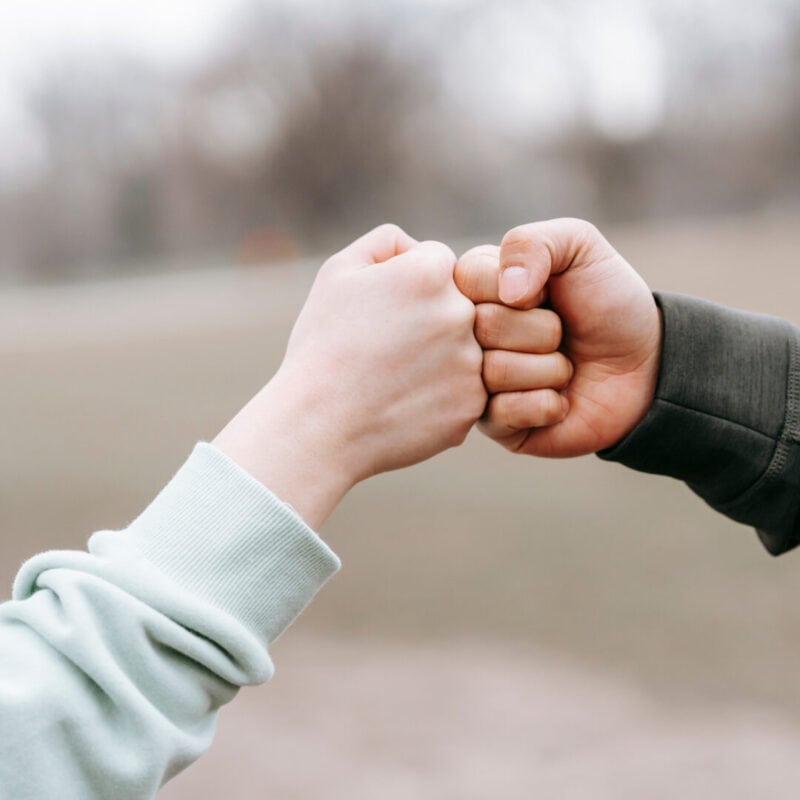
{"x": 171, "y": 175}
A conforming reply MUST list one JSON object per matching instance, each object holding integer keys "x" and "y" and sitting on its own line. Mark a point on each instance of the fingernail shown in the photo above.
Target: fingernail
{"x": 513, "y": 284}
{"x": 564, "y": 404}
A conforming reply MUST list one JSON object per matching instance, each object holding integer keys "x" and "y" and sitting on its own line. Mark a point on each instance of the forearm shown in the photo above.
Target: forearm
{"x": 284, "y": 439}
{"x": 726, "y": 415}
{"x": 114, "y": 661}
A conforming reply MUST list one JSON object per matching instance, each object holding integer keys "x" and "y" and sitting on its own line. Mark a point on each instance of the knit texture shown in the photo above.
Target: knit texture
{"x": 116, "y": 660}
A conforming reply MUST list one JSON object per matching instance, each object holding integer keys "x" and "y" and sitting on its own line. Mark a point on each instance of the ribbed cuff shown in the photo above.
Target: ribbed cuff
{"x": 781, "y": 482}
{"x": 223, "y": 537}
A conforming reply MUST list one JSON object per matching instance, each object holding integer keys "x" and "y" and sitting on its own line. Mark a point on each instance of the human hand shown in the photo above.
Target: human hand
{"x": 382, "y": 370}
{"x": 612, "y": 336}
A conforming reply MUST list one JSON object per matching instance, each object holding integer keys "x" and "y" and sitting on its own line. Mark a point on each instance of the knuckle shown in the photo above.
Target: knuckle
{"x": 582, "y": 231}
{"x": 470, "y": 358}
{"x": 439, "y": 262}
{"x": 427, "y": 281}
{"x": 521, "y": 236}
{"x": 492, "y": 419}
{"x": 467, "y": 256}
{"x": 578, "y": 224}
{"x": 455, "y": 310}
{"x": 564, "y": 370}
{"x": 489, "y": 323}
{"x": 495, "y": 369}
{"x": 467, "y": 275}
{"x": 465, "y": 313}
{"x": 551, "y": 407}
{"x": 479, "y": 403}
{"x": 481, "y": 251}
{"x": 475, "y": 263}
{"x": 461, "y": 307}
{"x": 589, "y": 230}
{"x": 489, "y": 368}
{"x": 513, "y": 413}
{"x": 476, "y": 360}
{"x": 588, "y": 235}
{"x": 389, "y": 229}
{"x": 446, "y": 252}
{"x": 439, "y": 252}
{"x": 513, "y": 409}
{"x": 553, "y": 327}
{"x": 463, "y": 274}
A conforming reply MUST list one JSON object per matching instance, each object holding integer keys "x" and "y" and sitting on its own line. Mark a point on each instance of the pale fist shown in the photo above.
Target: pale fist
{"x": 382, "y": 360}
{"x": 611, "y": 338}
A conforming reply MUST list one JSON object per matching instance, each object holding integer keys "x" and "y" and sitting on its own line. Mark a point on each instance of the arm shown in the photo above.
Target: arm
{"x": 678, "y": 387}
{"x": 114, "y": 661}
{"x": 725, "y": 416}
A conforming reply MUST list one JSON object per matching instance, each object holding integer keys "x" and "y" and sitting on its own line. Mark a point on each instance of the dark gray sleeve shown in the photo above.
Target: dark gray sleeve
{"x": 726, "y": 415}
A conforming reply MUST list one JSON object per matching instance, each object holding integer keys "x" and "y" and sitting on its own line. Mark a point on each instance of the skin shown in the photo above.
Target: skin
{"x": 382, "y": 371}
{"x": 611, "y": 335}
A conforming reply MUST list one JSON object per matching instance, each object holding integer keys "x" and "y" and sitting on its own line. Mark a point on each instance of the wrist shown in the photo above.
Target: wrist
{"x": 285, "y": 438}
{"x": 647, "y": 378}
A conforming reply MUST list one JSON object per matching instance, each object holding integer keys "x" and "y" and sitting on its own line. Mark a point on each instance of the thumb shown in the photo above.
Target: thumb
{"x": 524, "y": 266}
{"x": 515, "y": 285}
{"x": 530, "y": 254}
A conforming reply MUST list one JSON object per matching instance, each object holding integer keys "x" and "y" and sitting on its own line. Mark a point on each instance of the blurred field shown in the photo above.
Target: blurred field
{"x": 569, "y": 627}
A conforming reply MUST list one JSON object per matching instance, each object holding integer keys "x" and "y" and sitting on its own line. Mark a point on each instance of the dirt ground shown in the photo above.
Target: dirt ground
{"x": 502, "y": 627}
{"x": 472, "y": 720}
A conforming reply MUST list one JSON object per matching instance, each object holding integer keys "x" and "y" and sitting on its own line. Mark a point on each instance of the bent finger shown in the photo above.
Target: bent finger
{"x": 476, "y": 273}
{"x": 509, "y": 413}
{"x": 506, "y": 371}
{"x": 430, "y": 263}
{"x": 536, "y": 330}
{"x": 378, "y": 245}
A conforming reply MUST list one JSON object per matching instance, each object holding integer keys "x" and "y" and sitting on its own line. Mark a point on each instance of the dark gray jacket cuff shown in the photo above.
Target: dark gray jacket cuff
{"x": 726, "y": 415}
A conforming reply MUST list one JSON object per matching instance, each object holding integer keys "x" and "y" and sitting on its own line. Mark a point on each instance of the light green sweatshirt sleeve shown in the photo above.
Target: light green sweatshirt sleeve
{"x": 113, "y": 662}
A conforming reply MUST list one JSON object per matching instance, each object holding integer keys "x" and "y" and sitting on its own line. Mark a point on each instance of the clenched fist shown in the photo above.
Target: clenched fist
{"x": 382, "y": 370}
{"x": 611, "y": 337}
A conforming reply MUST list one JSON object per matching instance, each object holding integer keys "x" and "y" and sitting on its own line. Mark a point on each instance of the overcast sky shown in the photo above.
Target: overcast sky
{"x": 620, "y": 54}
{"x": 36, "y": 33}
{"x": 33, "y": 31}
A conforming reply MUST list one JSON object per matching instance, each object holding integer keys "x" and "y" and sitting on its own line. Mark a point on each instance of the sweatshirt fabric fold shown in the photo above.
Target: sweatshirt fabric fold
{"x": 116, "y": 659}
{"x": 726, "y": 415}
